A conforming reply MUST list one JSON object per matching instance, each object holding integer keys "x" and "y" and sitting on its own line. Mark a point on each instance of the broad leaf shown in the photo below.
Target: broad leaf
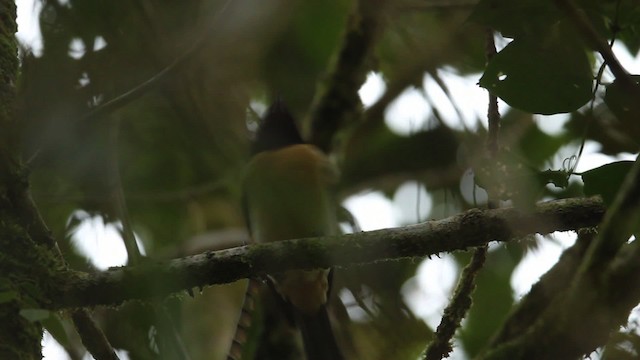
{"x": 606, "y": 180}
{"x": 624, "y": 105}
{"x": 542, "y": 77}
{"x": 34, "y": 315}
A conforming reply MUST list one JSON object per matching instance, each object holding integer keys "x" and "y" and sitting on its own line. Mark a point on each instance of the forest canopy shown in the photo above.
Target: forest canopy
{"x": 140, "y": 115}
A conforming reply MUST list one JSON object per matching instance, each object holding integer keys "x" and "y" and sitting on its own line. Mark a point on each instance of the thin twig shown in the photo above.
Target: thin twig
{"x": 181, "y": 60}
{"x": 457, "y": 308}
{"x": 628, "y": 198}
{"x": 163, "y": 319}
{"x": 461, "y": 301}
{"x": 589, "y": 33}
{"x": 118, "y": 199}
{"x": 615, "y": 28}
{"x": 493, "y": 113}
{"x": 140, "y": 89}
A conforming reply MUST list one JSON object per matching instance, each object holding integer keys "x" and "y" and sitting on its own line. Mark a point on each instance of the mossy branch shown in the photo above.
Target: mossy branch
{"x": 597, "y": 296}
{"x": 464, "y": 231}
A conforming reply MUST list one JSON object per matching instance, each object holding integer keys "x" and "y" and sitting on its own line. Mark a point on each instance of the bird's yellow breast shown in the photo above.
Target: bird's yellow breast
{"x": 287, "y": 194}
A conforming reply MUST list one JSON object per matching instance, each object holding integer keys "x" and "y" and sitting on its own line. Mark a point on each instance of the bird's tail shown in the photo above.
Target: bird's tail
{"x": 317, "y": 335}
{"x": 244, "y": 321}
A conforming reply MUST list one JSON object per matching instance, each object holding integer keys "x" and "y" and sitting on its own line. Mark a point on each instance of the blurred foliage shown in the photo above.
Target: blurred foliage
{"x": 606, "y": 180}
{"x": 178, "y": 150}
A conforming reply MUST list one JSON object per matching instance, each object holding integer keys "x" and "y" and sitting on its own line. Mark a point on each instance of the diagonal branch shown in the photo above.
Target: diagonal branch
{"x": 340, "y": 98}
{"x": 461, "y": 232}
{"x": 583, "y": 25}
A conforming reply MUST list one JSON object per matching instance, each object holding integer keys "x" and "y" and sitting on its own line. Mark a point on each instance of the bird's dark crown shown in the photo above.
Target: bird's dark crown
{"x": 277, "y": 130}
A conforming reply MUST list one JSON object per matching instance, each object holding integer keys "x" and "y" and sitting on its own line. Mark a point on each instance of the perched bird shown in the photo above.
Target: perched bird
{"x": 287, "y": 196}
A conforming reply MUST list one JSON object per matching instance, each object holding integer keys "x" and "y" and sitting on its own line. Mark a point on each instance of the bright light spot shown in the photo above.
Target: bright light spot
{"x": 626, "y": 156}
{"x": 356, "y": 313}
{"x": 372, "y": 210}
{"x": 256, "y": 111}
{"x": 472, "y": 193}
{"x": 122, "y": 355}
{"x": 445, "y": 106}
{"x": 29, "y": 26}
{"x": 76, "y": 48}
{"x": 628, "y": 61}
{"x": 427, "y": 294}
{"x": 468, "y": 102}
{"x": 51, "y": 349}
{"x": 99, "y": 43}
{"x": 413, "y": 203}
{"x": 552, "y": 124}
{"x": 408, "y": 113}
{"x": 457, "y": 353}
{"x": 84, "y": 80}
{"x": 259, "y": 107}
{"x": 592, "y": 158}
{"x": 372, "y": 89}
{"x": 539, "y": 260}
{"x": 101, "y": 243}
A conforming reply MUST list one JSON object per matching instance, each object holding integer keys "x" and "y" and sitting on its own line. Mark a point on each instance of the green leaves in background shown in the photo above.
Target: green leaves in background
{"x": 541, "y": 77}
{"x": 34, "y": 315}
{"x": 516, "y": 18}
{"x": 625, "y": 106}
{"x": 606, "y": 180}
{"x": 545, "y": 70}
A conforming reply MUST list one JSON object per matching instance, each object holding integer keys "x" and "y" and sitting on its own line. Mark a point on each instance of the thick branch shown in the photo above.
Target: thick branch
{"x": 551, "y": 286}
{"x": 467, "y": 230}
{"x": 340, "y": 99}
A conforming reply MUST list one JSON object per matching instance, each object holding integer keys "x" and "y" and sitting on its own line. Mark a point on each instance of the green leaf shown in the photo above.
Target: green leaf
{"x": 515, "y": 18}
{"x": 34, "y": 315}
{"x": 624, "y": 105}
{"x": 6, "y": 296}
{"x": 559, "y": 178}
{"x": 606, "y": 180}
{"x": 55, "y": 326}
{"x": 5, "y": 284}
{"x": 542, "y": 76}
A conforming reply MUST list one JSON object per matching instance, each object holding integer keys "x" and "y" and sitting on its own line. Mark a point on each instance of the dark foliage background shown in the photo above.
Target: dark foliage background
{"x": 177, "y": 149}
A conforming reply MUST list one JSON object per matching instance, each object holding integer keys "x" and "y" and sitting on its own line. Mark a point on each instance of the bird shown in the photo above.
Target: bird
{"x": 286, "y": 195}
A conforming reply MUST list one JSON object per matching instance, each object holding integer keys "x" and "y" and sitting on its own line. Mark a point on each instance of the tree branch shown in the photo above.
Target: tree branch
{"x": 597, "y": 298}
{"x": 461, "y": 232}
{"x": 542, "y": 294}
{"x": 92, "y": 337}
{"x": 591, "y": 37}
{"x": 340, "y": 99}
{"x": 457, "y": 308}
